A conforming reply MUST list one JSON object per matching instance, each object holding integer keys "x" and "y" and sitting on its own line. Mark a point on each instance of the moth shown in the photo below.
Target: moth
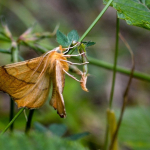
{"x": 28, "y": 82}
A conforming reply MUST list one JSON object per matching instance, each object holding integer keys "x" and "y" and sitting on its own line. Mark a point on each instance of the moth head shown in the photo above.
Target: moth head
{"x": 58, "y": 50}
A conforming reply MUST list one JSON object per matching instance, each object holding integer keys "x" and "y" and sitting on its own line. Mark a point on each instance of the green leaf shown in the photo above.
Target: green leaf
{"x": 73, "y": 36}
{"x": 39, "y": 127}
{"x": 134, "y": 131}
{"x": 58, "y": 129}
{"x": 78, "y": 136}
{"x": 89, "y": 43}
{"x": 135, "y": 12}
{"x": 62, "y": 39}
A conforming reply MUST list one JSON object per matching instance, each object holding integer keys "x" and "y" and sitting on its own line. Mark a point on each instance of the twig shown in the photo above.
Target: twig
{"x": 125, "y": 96}
{"x": 14, "y": 52}
{"x": 113, "y": 80}
{"x": 28, "y": 124}
{"x": 11, "y": 122}
{"x": 96, "y": 20}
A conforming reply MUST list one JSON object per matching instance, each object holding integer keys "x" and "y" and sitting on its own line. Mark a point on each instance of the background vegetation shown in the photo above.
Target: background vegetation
{"x": 86, "y": 112}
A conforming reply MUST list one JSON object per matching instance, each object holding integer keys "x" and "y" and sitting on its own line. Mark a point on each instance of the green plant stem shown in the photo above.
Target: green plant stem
{"x": 103, "y": 64}
{"x": 106, "y": 65}
{"x": 109, "y": 66}
{"x": 14, "y": 52}
{"x": 106, "y": 136}
{"x": 95, "y": 21}
{"x": 5, "y": 51}
{"x": 11, "y": 122}
{"x": 115, "y": 65}
{"x": 28, "y": 124}
{"x": 113, "y": 81}
{"x": 125, "y": 96}
{"x": 11, "y": 115}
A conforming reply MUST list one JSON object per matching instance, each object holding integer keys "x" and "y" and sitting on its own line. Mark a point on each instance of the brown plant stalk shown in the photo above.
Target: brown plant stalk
{"x": 125, "y": 95}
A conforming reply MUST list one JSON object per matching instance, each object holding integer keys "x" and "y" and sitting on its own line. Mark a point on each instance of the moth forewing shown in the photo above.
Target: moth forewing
{"x": 19, "y": 79}
{"x": 37, "y": 97}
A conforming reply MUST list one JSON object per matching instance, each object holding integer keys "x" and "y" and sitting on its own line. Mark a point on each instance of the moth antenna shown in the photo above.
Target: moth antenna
{"x": 40, "y": 62}
{"x": 49, "y": 52}
{"x": 37, "y": 66}
{"x": 69, "y": 62}
{"x": 71, "y": 76}
{"x": 74, "y": 55}
{"x": 68, "y": 49}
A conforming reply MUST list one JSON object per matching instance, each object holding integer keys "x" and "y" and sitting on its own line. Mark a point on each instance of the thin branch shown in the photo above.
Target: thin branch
{"x": 125, "y": 96}
{"x": 95, "y": 21}
{"x": 11, "y": 122}
{"x": 28, "y": 124}
{"x": 5, "y": 51}
{"x": 115, "y": 64}
{"x": 113, "y": 80}
{"x": 120, "y": 69}
{"x": 14, "y": 52}
{"x": 11, "y": 113}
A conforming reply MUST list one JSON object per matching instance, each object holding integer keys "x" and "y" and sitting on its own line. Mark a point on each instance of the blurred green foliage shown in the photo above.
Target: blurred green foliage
{"x": 64, "y": 40}
{"x": 37, "y": 141}
{"x": 134, "y": 131}
{"x": 59, "y": 130}
{"x": 85, "y": 111}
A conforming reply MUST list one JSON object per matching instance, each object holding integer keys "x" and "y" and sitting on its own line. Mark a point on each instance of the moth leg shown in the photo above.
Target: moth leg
{"x": 74, "y": 55}
{"x": 71, "y": 63}
{"x": 75, "y": 70}
{"x": 68, "y": 49}
{"x": 71, "y": 75}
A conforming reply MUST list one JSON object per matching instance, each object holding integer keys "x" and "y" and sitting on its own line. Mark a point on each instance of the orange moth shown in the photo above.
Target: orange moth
{"x": 29, "y": 82}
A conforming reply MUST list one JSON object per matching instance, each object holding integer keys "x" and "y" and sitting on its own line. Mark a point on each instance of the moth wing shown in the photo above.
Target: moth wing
{"x": 37, "y": 97}
{"x": 19, "y": 79}
{"x": 57, "y": 100}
